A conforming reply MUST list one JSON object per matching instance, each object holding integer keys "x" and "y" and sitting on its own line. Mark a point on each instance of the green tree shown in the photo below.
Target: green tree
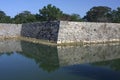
{"x": 39, "y": 17}
{"x": 65, "y": 17}
{"x": 116, "y": 15}
{"x": 24, "y": 17}
{"x": 4, "y": 18}
{"x": 75, "y": 17}
{"x": 72, "y": 17}
{"x": 98, "y": 14}
{"x": 50, "y": 13}
{"x": 2, "y": 13}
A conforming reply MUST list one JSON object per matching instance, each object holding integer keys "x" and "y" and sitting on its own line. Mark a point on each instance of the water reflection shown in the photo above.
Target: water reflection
{"x": 88, "y": 53}
{"x": 8, "y": 46}
{"x": 89, "y": 62}
{"x": 45, "y": 56}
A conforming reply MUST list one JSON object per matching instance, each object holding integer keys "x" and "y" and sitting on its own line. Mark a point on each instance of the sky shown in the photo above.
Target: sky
{"x": 13, "y": 7}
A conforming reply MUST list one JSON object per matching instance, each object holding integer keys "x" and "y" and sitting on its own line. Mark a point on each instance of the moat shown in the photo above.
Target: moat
{"x": 21, "y": 60}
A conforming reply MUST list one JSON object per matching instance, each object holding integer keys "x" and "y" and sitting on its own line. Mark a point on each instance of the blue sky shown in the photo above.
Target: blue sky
{"x": 13, "y": 7}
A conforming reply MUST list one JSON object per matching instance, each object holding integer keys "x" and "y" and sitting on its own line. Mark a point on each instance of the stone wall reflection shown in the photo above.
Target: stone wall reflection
{"x": 50, "y": 58}
{"x": 45, "y": 56}
{"x": 88, "y": 54}
{"x": 7, "y": 46}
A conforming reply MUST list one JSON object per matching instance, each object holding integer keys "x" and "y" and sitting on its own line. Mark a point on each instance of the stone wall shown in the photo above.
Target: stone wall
{"x": 41, "y": 30}
{"x": 63, "y": 31}
{"x": 10, "y": 30}
{"x": 88, "y": 32}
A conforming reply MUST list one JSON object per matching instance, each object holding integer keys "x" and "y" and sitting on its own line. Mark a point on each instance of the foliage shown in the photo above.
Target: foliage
{"x": 65, "y": 17}
{"x": 98, "y": 14}
{"x": 24, "y": 17}
{"x": 72, "y": 17}
{"x": 4, "y": 18}
{"x": 116, "y": 15}
{"x": 50, "y": 12}
{"x": 75, "y": 17}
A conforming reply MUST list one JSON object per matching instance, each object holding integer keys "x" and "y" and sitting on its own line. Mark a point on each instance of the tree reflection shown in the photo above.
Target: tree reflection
{"x": 45, "y": 56}
{"x": 114, "y": 64}
{"x": 8, "y": 53}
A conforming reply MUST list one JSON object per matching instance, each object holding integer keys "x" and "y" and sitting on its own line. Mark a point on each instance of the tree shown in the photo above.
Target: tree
{"x": 65, "y": 17}
{"x": 75, "y": 17}
{"x": 72, "y": 17}
{"x": 2, "y": 13}
{"x": 24, "y": 17}
{"x": 50, "y": 13}
{"x": 98, "y": 14}
{"x": 116, "y": 15}
{"x": 39, "y": 17}
{"x": 4, "y": 18}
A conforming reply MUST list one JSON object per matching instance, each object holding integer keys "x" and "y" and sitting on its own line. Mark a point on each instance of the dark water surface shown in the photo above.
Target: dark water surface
{"x": 21, "y": 60}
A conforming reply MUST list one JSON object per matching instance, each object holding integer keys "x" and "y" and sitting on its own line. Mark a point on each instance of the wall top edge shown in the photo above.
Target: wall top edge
{"x": 59, "y": 22}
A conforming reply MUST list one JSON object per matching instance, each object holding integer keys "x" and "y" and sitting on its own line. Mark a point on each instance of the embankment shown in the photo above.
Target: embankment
{"x": 61, "y": 32}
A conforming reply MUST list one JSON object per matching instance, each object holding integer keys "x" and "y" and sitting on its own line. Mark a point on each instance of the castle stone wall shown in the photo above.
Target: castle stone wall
{"x": 41, "y": 30}
{"x": 10, "y": 30}
{"x": 88, "y": 32}
{"x": 63, "y": 31}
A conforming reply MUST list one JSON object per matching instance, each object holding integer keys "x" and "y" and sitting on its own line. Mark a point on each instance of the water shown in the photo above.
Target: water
{"x": 20, "y": 60}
